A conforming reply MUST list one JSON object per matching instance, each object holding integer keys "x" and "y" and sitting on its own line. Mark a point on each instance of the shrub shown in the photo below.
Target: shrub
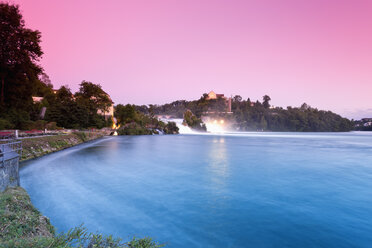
{"x": 5, "y": 124}
{"x": 193, "y": 122}
{"x": 134, "y": 129}
{"x": 82, "y": 136}
{"x": 52, "y": 126}
{"x": 171, "y": 128}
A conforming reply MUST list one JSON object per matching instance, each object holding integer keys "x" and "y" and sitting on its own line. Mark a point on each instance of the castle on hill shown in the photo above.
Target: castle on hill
{"x": 214, "y": 96}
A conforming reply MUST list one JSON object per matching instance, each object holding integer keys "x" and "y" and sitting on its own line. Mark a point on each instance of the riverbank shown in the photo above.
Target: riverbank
{"x": 22, "y": 225}
{"x": 39, "y": 146}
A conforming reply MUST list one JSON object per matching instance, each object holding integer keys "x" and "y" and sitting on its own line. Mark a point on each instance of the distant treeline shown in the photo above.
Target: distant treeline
{"x": 368, "y": 128}
{"x": 253, "y": 116}
{"x": 363, "y": 124}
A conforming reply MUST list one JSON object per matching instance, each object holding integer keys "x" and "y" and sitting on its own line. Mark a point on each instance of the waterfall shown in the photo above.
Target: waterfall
{"x": 182, "y": 128}
{"x": 213, "y": 127}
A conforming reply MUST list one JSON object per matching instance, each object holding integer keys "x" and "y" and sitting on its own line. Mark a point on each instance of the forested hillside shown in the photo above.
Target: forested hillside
{"x": 253, "y": 116}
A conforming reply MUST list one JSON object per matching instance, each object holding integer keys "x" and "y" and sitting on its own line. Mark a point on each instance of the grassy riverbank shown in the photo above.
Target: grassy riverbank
{"x": 22, "y": 225}
{"x": 39, "y": 146}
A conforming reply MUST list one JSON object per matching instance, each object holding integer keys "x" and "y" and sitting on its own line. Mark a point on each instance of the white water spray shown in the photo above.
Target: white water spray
{"x": 212, "y": 127}
{"x": 182, "y": 128}
{"x": 215, "y": 126}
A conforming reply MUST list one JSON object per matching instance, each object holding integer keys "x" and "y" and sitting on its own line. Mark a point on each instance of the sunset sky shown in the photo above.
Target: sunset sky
{"x": 157, "y": 51}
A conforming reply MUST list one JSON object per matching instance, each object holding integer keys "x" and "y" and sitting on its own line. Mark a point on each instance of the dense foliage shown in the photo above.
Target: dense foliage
{"x": 20, "y": 52}
{"x": 22, "y": 78}
{"x": 189, "y": 119}
{"x": 178, "y": 108}
{"x": 79, "y": 110}
{"x": 252, "y": 116}
{"x": 302, "y": 119}
{"x": 134, "y": 122}
{"x": 367, "y": 128}
{"x": 363, "y": 124}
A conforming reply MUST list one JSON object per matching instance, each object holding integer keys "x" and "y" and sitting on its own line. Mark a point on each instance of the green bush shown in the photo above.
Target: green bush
{"x": 193, "y": 122}
{"x": 5, "y": 124}
{"x": 134, "y": 129}
{"x": 82, "y": 136}
{"x": 52, "y": 126}
{"x": 171, "y": 128}
{"x": 39, "y": 125}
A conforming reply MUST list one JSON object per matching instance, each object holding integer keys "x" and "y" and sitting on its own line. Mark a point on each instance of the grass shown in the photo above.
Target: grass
{"x": 22, "y": 225}
{"x": 39, "y": 146}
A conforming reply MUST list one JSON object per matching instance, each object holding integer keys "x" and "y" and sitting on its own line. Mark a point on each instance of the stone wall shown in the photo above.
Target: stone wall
{"x": 9, "y": 172}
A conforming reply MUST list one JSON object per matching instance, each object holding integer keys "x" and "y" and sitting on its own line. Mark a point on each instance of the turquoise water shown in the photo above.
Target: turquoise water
{"x": 232, "y": 190}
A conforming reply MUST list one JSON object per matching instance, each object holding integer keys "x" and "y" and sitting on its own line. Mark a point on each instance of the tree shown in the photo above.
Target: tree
{"x": 304, "y": 106}
{"x": 251, "y": 116}
{"x": 189, "y": 119}
{"x": 125, "y": 114}
{"x": 263, "y": 123}
{"x": 92, "y": 101}
{"x": 266, "y": 101}
{"x": 45, "y": 79}
{"x": 171, "y": 128}
{"x": 93, "y": 94}
{"x": 64, "y": 110}
{"x": 237, "y": 98}
{"x": 64, "y": 95}
{"x": 19, "y": 53}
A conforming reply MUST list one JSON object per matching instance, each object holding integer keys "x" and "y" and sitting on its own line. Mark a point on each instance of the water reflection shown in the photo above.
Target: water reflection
{"x": 218, "y": 163}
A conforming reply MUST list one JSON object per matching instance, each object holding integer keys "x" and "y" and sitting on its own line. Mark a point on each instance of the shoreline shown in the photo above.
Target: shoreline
{"x": 37, "y": 147}
{"x": 23, "y": 225}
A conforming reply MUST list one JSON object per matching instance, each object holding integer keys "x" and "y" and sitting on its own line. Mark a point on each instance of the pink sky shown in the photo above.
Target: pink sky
{"x": 141, "y": 52}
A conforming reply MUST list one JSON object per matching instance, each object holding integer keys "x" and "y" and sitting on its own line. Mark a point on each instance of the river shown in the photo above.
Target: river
{"x": 227, "y": 190}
